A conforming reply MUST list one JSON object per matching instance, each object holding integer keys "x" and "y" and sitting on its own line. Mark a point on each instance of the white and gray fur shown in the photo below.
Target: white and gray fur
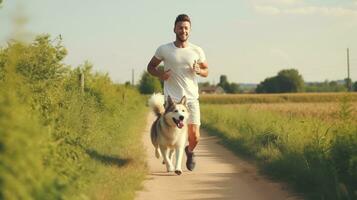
{"x": 169, "y": 130}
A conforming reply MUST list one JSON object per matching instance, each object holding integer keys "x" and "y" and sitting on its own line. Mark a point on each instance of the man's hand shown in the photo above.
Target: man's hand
{"x": 164, "y": 75}
{"x": 196, "y": 68}
{"x": 200, "y": 69}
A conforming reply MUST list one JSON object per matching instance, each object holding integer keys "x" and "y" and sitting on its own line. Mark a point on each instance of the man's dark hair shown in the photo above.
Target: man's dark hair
{"x": 182, "y": 18}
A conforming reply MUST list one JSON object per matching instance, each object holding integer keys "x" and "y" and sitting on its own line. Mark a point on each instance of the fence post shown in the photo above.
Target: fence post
{"x": 81, "y": 81}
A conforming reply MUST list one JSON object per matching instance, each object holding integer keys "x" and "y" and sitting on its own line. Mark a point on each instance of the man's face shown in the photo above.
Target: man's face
{"x": 182, "y": 30}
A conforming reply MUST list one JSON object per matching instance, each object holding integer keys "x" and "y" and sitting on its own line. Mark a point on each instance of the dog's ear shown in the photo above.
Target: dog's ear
{"x": 183, "y": 100}
{"x": 169, "y": 102}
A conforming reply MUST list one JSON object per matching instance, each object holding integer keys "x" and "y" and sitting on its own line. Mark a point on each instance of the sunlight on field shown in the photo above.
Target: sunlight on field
{"x": 330, "y": 111}
{"x": 308, "y": 140}
{"x": 276, "y": 98}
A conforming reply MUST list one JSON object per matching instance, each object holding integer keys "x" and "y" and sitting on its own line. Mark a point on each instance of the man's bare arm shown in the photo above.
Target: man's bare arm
{"x": 153, "y": 66}
{"x": 155, "y": 71}
{"x": 203, "y": 69}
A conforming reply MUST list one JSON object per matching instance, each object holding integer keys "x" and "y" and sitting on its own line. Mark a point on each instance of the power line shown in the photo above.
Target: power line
{"x": 348, "y": 71}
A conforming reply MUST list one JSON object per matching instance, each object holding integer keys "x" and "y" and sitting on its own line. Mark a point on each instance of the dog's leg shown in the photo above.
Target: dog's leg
{"x": 179, "y": 154}
{"x": 171, "y": 155}
{"x": 157, "y": 152}
{"x": 165, "y": 154}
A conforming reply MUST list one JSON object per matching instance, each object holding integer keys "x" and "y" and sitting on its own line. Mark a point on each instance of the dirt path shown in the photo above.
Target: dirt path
{"x": 218, "y": 175}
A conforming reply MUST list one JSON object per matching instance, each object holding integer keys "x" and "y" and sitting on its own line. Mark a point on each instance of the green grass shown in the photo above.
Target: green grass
{"x": 118, "y": 161}
{"x": 87, "y": 153}
{"x": 305, "y": 152}
{"x": 58, "y": 141}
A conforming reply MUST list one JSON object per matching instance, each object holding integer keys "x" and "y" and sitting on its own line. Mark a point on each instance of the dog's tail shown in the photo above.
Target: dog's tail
{"x": 156, "y": 103}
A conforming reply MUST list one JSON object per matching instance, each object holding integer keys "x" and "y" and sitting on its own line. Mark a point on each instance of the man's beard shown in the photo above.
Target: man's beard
{"x": 180, "y": 39}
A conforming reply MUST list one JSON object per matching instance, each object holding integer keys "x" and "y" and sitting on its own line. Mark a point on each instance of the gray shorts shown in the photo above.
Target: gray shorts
{"x": 194, "y": 110}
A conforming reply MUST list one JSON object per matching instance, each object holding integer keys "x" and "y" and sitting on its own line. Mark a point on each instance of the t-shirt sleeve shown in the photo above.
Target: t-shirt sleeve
{"x": 201, "y": 55}
{"x": 159, "y": 53}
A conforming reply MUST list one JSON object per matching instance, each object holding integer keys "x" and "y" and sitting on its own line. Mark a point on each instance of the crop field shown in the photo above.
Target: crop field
{"x": 327, "y": 111}
{"x": 310, "y": 144}
{"x": 276, "y": 98}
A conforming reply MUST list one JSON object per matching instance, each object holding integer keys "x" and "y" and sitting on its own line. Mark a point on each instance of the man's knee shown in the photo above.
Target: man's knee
{"x": 196, "y": 138}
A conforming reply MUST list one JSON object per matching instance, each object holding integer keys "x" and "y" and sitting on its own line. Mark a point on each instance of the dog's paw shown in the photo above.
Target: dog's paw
{"x": 178, "y": 172}
{"x": 170, "y": 169}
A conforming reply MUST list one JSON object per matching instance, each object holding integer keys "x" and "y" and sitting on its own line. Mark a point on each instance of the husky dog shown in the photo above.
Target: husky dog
{"x": 169, "y": 130}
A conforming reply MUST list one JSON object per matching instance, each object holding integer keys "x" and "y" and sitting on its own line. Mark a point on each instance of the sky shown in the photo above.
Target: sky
{"x": 246, "y": 40}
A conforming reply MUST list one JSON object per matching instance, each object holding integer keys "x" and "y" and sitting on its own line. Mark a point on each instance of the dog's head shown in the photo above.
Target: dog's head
{"x": 176, "y": 114}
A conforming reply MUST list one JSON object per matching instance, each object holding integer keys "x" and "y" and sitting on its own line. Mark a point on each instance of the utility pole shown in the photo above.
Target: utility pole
{"x": 132, "y": 77}
{"x": 348, "y": 70}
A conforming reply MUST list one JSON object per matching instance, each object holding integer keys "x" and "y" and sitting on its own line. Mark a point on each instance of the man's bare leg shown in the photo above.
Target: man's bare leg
{"x": 193, "y": 138}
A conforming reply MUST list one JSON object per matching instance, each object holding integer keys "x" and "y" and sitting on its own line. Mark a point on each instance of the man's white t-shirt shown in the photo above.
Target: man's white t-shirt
{"x": 182, "y": 80}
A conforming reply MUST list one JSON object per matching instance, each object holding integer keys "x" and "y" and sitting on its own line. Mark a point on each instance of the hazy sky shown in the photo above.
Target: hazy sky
{"x": 247, "y": 40}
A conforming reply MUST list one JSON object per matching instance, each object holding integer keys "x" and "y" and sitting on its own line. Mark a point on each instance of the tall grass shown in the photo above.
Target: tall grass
{"x": 56, "y": 140}
{"x": 326, "y": 111}
{"x": 316, "y": 156}
{"x": 275, "y": 98}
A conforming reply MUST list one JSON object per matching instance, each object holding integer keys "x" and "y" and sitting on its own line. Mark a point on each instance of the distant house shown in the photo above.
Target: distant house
{"x": 211, "y": 90}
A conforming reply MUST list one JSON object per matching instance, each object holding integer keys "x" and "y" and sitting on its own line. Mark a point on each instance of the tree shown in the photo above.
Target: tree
{"x": 149, "y": 84}
{"x": 288, "y": 80}
{"x": 355, "y": 86}
{"x": 41, "y": 60}
{"x": 127, "y": 83}
{"x": 326, "y": 86}
{"x": 234, "y": 88}
{"x": 204, "y": 84}
{"x": 291, "y": 80}
{"x": 269, "y": 85}
{"x": 228, "y": 87}
{"x": 223, "y": 82}
{"x": 348, "y": 84}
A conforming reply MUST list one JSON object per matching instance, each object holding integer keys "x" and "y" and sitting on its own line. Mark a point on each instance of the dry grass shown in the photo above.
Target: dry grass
{"x": 276, "y": 98}
{"x": 327, "y": 111}
{"x": 310, "y": 145}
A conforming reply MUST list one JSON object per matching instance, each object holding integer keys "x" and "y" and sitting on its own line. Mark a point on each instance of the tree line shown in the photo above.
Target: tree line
{"x": 286, "y": 81}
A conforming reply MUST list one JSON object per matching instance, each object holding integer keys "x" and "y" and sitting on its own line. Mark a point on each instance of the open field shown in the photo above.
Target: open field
{"x": 328, "y": 111}
{"x": 311, "y": 145}
{"x": 276, "y": 98}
